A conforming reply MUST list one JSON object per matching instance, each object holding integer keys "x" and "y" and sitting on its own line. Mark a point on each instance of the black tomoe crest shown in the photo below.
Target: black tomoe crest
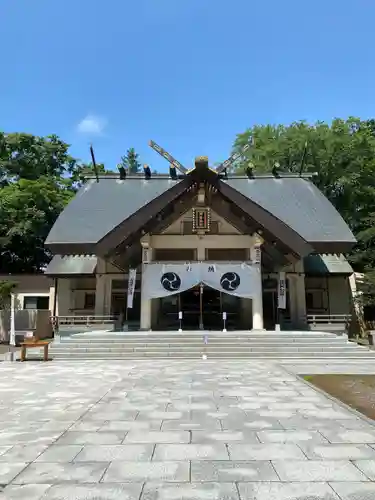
{"x": 230, "y": 281}
{"x": 171, "y": 282}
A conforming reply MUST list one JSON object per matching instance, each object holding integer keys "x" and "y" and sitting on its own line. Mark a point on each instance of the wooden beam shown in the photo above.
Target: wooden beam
{"x": 158, "y": 222}
{"x": 267, "y": 221}
{"x": 246, "y": 226}
{"x": 142, "y": 217}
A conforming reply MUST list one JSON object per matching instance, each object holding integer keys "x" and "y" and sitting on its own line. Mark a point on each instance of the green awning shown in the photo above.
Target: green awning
{"x": 323, "y": 264}
{"x": 71, "y": 265}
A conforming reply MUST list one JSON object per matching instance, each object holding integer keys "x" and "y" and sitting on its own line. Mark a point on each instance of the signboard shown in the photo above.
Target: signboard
{"x": 281, "y": 291}
{"x": 131, "y": 287}
{"x": 201, "y": 219}
{"x": 257, "y": 254}
{"x": 224, "y": 316}
{"x": 146, "y": 256}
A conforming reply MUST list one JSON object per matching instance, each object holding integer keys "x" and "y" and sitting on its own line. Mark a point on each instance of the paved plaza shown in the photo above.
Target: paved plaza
{"x": 178, "y": 430}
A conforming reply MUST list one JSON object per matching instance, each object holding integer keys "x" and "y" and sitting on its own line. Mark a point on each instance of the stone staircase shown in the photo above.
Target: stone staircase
{"x": 219, "y": 345}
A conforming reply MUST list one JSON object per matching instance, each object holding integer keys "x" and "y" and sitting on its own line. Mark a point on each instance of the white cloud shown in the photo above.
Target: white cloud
{"x": 92, "y": 124}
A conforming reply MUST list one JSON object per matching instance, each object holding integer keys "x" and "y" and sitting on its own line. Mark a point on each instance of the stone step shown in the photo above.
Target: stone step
{"x": 276, "y": 346}
{"x": 179, "y": 355}
{"x": 211, "y": 340}
{"x": 198, "y": 345}
{"x": 199, "y": 333}
{"x": 186, "y": 336}
{"x": 124, "y": 348}
{"x": 231, "y": 348}
{"x": 192, "y": 338}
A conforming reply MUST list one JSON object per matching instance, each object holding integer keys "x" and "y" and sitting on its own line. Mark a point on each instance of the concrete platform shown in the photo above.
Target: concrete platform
{"x": 217, "y": 430}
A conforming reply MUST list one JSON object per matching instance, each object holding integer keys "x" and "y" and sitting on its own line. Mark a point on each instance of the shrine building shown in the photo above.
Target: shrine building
{"x": 263, "y": 249}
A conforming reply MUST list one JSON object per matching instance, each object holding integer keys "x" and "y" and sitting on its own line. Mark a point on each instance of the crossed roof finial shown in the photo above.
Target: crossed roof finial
{"x": 200, "y": 161}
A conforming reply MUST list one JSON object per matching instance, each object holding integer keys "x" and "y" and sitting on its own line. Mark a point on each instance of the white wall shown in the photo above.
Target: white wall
{"x": 29, "y": 285}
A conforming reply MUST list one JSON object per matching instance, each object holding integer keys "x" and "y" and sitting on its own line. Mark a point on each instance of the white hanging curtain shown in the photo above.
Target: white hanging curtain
{"x": 161, "y": 280}
{"x": 239, "y": 279}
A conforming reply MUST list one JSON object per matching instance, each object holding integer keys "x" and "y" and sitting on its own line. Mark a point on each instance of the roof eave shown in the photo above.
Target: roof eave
{"x": 133, "y": 223}
{"x": 268, "y": 221}
{"x": 70, "y": 275}
{"x": 68, "y": 248}
{"x": 334, "y": 247}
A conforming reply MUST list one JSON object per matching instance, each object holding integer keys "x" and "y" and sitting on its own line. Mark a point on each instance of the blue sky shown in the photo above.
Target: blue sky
{"x": 189, "y": 74}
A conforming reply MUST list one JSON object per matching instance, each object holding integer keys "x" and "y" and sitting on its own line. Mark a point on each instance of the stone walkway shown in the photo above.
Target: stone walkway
{"x": 189, "y": 430}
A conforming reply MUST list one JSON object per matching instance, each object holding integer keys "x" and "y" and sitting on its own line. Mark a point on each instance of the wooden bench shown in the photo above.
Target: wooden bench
{"x": 29, "y": 344}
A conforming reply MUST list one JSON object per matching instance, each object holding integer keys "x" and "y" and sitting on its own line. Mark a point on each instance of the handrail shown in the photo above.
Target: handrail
{"x": 328, "y": 318}
{"x": 83, "y": 320}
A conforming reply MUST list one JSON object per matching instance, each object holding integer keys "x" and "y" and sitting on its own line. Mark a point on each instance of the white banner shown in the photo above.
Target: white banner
{"x": 160, "y": 280}
{"x": 132, "y": 278}
{"x": 281, "y": 291}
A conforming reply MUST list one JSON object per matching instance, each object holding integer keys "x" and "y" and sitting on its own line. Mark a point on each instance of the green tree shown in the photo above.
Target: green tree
{"x": 83, "y": 171}
{"x": 26, "y": 156}
{"x": 6, "y": 288}
{"x": 130, "y": 161}
{"x": 38, "y": 177}
{"x": 342, "y": 154}
{"x": 28, "y": 209}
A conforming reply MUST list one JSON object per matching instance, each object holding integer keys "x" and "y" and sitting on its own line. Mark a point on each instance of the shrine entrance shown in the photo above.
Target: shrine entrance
{"x": 202, "y": 308}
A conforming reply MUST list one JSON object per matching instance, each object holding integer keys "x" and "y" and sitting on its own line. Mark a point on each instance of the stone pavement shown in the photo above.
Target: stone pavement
{"x": 177, "y": 430}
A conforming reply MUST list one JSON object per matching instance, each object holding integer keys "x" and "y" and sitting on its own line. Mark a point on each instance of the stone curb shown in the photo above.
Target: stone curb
{"x": 332, "y": 398}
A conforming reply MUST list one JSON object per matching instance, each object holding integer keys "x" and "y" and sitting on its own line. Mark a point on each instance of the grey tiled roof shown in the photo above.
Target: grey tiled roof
{"x": 298, "y": 203}
{"x": 99, "y": 207}
{"x": 71, "y": 264}
{"x": 327, "y": 264}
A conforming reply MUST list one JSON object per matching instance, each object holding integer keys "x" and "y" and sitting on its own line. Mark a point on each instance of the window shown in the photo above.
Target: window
{"x": 89, "y": 301}
{"x": 174, "y": 254}
{"x": 227, "y": 254}
{"x": 35, "y": 302}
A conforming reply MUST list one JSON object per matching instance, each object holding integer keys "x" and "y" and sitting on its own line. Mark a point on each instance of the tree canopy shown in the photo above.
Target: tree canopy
{"x": 342, "y": 154}
{"x": 130, "y": 161}
{"x": 38, "y": 177}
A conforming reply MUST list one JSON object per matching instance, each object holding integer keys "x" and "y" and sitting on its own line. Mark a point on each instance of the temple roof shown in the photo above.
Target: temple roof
{"x": 290, "y": 205}
{"x": 71, "y": 265}
{"x": 99, "y": 207}
{"x": 299, "y": 204}
{"x": 327, "y": 264}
